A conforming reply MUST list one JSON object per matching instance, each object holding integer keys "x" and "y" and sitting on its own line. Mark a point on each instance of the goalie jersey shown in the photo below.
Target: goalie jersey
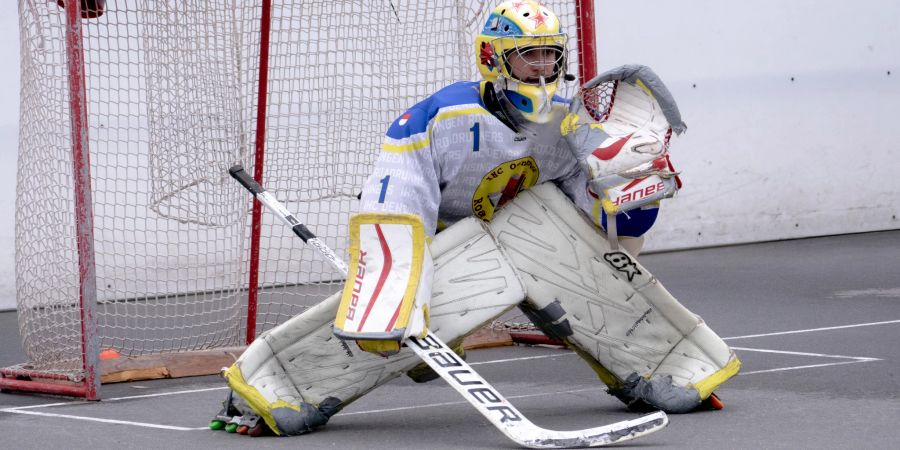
{"x": 448, "y": 158}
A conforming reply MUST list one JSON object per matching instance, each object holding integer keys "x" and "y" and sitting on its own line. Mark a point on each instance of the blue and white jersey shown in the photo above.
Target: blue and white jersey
{"x": 448, "y": 158}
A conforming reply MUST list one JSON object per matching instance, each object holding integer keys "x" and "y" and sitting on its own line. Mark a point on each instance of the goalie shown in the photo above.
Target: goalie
{"x": 493, "y": 194}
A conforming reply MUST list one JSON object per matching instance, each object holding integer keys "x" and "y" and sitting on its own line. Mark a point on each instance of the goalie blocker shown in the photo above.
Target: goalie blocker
{"x": 388, "y": 289}
{"x": 643, "y": 344}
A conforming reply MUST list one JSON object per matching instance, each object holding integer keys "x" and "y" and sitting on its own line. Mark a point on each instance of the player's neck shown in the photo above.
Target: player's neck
{"x": 496, "y": 106}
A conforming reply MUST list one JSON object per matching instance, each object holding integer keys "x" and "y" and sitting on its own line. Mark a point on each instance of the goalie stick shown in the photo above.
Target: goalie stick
{"x": 458, "y": 374}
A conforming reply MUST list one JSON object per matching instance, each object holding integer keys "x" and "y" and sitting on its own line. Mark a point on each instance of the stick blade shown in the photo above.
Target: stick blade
{"x": 503, "y": 415}
{"x": 596, "y": 437}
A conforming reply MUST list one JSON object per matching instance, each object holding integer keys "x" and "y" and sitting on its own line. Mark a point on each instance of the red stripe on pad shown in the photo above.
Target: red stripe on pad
{"x": 386, "y": 269}
{"x": 394, "y": 317}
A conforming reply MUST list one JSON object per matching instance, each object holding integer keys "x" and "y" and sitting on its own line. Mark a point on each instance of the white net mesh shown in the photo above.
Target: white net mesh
{"x": 172, "y": 97}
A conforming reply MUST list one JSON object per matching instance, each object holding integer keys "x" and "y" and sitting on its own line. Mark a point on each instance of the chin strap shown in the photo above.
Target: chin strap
{"x": 500, "y": 108}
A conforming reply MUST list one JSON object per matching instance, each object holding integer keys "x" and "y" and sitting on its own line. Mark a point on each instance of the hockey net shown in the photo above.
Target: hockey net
{"x": 171, "y": 89}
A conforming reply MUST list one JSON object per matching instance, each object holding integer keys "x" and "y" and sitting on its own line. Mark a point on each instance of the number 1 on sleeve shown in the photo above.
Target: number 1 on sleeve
{"x": 476, "y": 132}
{"x": 384, "y": 184}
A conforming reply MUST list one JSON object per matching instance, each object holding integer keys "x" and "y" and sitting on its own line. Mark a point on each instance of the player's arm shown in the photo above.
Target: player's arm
{"x": 388, "y": 289}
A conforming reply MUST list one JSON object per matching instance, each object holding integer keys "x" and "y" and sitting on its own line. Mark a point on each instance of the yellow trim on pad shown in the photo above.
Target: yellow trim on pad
{"x": 254, "y": 399}
{"x": 415, "y": 272}
{"x": 706, "y": 386}
{"x": 383, "y": 348}
{"x": 418, "y": 256}
{"x": 607, "y": 377}
{"x": 611, "y": 208}
{"x": 644, "y": 87}
{"x": 595, "y": 213}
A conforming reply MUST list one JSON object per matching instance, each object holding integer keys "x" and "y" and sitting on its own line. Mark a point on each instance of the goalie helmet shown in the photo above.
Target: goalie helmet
{"x": 522, "y": 52}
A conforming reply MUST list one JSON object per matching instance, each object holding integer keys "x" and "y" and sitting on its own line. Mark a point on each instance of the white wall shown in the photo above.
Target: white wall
{"x": 764, "y": 157}
{"x": 767, "y": 157}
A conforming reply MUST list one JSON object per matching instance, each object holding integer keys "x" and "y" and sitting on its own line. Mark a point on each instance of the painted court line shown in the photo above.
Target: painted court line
{"x": 174, "y": 428}
{"x": 508, "y": 397}
{"x": 163, "y": 394}
{"x": 852, "y": 360}
{"x": 220, "y": 388}
{"x": 527, "y": 358}
{"x": 811, "y": 366}
{"x": 97, "y": 419}
{"x": 820, "y": 355}
{"x": 810, "y": 330}
{"x": 115, "y": 399}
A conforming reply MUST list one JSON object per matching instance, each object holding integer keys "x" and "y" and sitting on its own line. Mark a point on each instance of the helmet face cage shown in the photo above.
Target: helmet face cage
{"x": 534, "y": 54}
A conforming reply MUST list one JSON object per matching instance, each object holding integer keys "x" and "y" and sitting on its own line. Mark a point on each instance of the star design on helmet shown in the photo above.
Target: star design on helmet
{"x": 518, "y": 5}
{"x": 538, "y": 18}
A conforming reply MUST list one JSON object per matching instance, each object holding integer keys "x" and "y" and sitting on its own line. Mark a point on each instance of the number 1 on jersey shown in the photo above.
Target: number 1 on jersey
{"x": 476, "y": 132}
{"x": 384, "y": 183}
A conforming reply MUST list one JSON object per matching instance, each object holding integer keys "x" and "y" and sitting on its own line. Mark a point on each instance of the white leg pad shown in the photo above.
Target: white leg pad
{"x": 300, "y": 364}
{"x": 604, "y": 303}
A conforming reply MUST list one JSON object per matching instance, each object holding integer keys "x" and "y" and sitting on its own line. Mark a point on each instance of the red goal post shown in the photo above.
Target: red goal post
{"x": 131, "y": 236}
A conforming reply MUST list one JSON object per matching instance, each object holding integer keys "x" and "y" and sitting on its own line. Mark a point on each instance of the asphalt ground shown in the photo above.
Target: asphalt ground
{"x": 816, "y": 323}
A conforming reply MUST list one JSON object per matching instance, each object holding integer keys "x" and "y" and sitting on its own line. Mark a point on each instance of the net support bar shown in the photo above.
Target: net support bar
{"x": 587, "y": 56}
{"x": 89, "y": 386}
{"x": 259, "y": 160}
{"x": 84, "y": 215}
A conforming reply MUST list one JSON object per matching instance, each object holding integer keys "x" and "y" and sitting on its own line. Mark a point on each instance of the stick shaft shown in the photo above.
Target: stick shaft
{"x": 269, "y": 201}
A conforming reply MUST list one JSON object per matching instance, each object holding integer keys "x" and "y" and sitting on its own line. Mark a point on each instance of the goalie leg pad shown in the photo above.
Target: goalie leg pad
{"x": 298, "y": 374}
{"x": 621, "y": 318}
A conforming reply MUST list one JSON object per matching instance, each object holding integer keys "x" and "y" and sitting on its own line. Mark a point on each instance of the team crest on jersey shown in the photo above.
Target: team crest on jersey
{"x": 502, "y": 183}
{"x": 404, "y": 119}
